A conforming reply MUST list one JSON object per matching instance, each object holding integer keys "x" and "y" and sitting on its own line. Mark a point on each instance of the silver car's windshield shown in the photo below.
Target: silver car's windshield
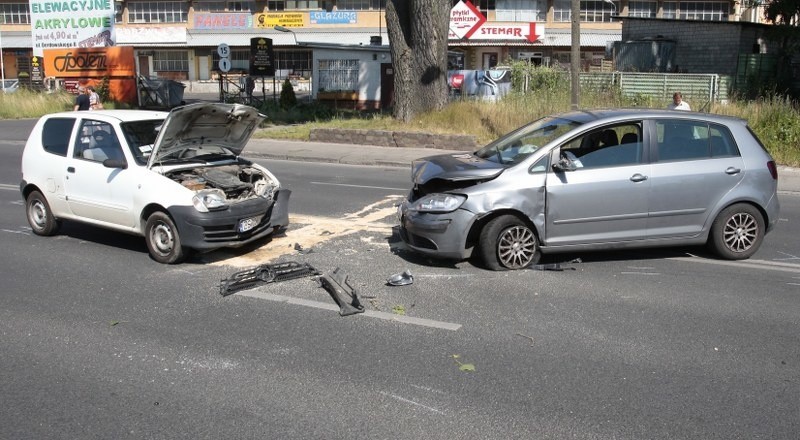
{"x": 514, "y": 147}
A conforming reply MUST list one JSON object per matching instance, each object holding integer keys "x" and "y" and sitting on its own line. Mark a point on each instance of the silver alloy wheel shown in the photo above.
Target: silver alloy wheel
{"x": 38, "y": 214}
{"x": 741, "y": 232}
{"x": 161, "y": 238}
{"x": 516, "y": 247}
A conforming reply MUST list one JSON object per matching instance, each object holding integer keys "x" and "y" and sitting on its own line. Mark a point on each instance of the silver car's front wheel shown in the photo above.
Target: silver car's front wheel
{"x": 507, "y": 243}
{"x": 737, "y": 232}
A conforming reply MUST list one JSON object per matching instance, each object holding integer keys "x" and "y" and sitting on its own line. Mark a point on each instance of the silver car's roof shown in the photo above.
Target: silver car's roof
{"x": 608, "y": 115}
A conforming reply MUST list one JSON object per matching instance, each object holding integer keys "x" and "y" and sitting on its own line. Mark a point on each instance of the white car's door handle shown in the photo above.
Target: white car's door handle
{"x": 71, "y": 169}
{"x": 638, "y": 178}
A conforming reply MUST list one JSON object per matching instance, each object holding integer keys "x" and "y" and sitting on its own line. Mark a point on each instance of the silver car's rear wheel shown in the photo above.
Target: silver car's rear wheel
{"x": 737, "y": 232}
{"x": 507, "y": 243}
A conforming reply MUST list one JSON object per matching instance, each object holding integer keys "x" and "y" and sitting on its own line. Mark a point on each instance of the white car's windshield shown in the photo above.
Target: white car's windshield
{"x": 521, "y": 143}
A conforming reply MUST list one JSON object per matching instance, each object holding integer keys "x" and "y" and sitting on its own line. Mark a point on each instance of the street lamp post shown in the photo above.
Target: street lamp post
{"x": 280, "y": 28}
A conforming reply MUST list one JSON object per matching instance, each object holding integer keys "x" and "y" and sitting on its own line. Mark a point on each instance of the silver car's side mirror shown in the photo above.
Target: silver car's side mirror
{"x": 564, "y": 164}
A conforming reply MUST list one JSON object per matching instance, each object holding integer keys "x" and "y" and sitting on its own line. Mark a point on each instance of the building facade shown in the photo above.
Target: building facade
{"x": 178, "y": 39}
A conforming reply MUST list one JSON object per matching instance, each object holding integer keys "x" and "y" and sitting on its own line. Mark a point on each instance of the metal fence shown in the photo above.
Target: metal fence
{"x": 700, "y": 89}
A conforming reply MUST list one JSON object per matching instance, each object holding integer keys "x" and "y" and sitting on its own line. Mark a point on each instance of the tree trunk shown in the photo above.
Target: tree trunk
{"x": 418, "y": 31}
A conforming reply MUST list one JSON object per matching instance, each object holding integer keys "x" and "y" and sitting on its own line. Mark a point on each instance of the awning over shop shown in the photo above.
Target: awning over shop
{"x": 553, "y": 38}
{"x": 204, "y": 38}
{"x": 17, "y": 40}
{"x": 151, "y": 36}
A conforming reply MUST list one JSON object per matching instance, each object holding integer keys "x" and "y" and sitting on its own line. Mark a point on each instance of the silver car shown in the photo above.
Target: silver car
{"x": 592, "y": 180}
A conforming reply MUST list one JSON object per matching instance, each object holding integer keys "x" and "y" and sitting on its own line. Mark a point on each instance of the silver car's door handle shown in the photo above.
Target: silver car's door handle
{"x": 638, "y": 178}
{"x": 732, "y": 171}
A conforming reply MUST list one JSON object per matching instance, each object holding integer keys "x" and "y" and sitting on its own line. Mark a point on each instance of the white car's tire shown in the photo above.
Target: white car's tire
{"x": 163, "y": 240}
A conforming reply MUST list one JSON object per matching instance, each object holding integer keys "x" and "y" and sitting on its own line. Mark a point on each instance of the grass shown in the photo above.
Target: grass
{"x": 776, "y": 120}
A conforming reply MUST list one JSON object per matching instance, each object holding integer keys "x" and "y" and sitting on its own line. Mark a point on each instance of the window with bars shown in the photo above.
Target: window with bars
{"x": 646, "y": 9}
{"x": 338, "y": 75}
{"x": 591, "y": 11}
{"x": 15, "y": 13}
{"x": 157, "y": 12}
{"x": 521, "y": 10}
{"x": 708, "y": 11}
{"x": 302, "y": 4}
{"x": 240, "y": 59}
{"x": 171, "y": 61}
{"x": 483, "y": 5}
{"x": 224, "y": 6}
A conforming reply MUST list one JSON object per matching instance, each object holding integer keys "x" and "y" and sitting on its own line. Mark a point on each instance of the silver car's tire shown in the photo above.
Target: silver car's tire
{"x": 737, "y": 232}
{"x": 40, "y": 217}
{"x": 163, "y": 240}
{"x": 507, "y": 243}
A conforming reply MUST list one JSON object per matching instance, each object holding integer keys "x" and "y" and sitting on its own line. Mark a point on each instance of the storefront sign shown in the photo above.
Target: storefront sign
{"x": 288, "y": 19}
{"x": 261, "y": 57}
{"x": 334, "y": 17}
{"x": 465, "y": 19}
{"x": 223, "y": 21}
{"x": 95, "y": 62}
{"x": 65, "y": 24}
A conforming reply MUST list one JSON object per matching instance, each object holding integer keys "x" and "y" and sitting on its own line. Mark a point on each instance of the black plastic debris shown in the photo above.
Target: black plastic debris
{"x": 265, "y": 273}
{"x": 558, "y": 267}
{"x": 300, "y": 249}
{"x": 400, "y": 279}
{"x": 343, "y": 293}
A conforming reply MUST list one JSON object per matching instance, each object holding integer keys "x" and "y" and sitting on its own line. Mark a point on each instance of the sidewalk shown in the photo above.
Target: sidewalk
{"x": 351, "y": 154}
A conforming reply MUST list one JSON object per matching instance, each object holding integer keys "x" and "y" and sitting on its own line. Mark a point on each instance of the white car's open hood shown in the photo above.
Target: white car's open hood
{"x": 205, "y": 124}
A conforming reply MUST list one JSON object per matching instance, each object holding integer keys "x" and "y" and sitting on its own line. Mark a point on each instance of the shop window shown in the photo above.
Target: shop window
{"x": 171, "y": 61}
{"x": 338, "y": 75}
{"x": 157, "y": 12}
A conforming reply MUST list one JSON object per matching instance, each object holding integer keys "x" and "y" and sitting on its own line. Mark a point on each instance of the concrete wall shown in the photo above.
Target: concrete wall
{"x": 701, "y": 46}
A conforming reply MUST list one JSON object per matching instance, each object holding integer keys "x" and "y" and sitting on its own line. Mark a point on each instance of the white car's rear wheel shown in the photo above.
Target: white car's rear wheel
{"x": 163, "y": 240}
{"x": 40, "y": 217}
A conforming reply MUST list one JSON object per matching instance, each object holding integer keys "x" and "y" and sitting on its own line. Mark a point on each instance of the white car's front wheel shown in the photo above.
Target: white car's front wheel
{"x": 163, "y": 240}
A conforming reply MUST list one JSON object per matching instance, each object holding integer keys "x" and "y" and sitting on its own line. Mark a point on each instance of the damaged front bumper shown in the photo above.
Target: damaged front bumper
{"x": 237, "y": 225}
{"x": 442, "y": 235}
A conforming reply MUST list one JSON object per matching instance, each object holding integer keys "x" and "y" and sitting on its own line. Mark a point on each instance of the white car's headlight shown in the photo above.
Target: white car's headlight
{"x": 209, "y": 200}
{"x": 438, "y": 203}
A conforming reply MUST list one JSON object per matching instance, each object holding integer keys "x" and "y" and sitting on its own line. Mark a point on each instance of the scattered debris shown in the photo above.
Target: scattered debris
{"x": 399, "y": 309}
{"x": 400, "y": 279}
{"x": 462, "y": 366}
{"x": 342, "y": 292}
{"x": 556, "y": 266}
{"x": 526, "y": 336}
{"x": 302, "y": 250}
{"x": 265, "y": 273}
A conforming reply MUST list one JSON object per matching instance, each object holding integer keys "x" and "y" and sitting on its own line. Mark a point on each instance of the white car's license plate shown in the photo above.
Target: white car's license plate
{"x": 248, "y": 224}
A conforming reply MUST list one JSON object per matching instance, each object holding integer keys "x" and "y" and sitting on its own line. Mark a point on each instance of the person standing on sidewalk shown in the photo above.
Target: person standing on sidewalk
{"x": 82, "y": 100}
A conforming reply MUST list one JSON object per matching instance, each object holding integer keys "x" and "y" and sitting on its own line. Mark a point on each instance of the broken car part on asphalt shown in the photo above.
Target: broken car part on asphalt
{"x": 342, "y": 292}
{"x": 265, "y": 273}
{"x": 401, "y": 279}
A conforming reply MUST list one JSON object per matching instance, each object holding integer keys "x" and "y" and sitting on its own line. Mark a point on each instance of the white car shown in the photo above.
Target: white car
{"x": 175, "y": 178}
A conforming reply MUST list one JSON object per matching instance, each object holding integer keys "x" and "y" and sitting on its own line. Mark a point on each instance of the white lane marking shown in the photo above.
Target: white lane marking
{"x": 790, "y": 257}
{"x": 640, "y": 273}
{"x": 9, "y": 187}
{"x": 641, "y": 268}
{"x": 17, "y": 232}
{"x": 359, "y": 186}
{"x": 370, "y": 313}
{"x": 751, "y": 264}
{"x": 403, "y": 399}
{"x": 793, "y": 284}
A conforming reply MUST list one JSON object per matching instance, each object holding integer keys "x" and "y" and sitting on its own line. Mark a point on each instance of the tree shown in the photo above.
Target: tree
{"x": 418, "y": 31}
{"x": 288, "y": 98}
{"x": 786, "y": 16}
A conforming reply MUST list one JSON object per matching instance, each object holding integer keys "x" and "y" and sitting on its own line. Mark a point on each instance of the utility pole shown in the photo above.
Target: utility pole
{"x": 575, "y": 54}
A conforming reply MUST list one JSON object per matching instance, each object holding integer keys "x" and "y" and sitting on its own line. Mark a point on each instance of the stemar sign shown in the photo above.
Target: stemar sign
{"x": 72, "y": 23}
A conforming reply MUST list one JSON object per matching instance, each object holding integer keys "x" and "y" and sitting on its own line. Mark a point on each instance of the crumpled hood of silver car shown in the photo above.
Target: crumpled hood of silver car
{"x": 454, "y": 167}
{"x": 209, "y": 123}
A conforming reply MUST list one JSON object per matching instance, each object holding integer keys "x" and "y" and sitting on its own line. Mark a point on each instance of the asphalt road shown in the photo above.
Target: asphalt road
{"x": 99, "y": 341}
